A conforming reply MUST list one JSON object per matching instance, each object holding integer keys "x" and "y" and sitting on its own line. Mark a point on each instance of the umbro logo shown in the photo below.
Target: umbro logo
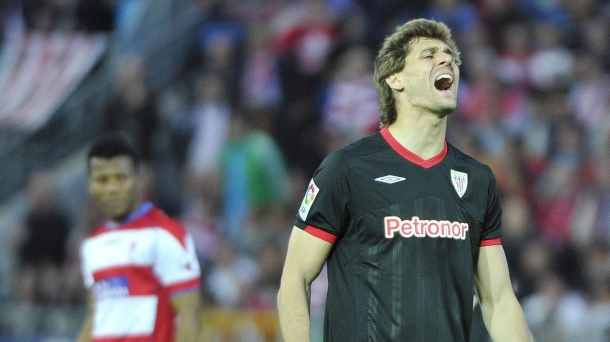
{"x": 390, "y": 179}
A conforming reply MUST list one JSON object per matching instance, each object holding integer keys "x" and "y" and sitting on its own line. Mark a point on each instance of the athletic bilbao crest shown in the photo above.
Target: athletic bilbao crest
{"x": 460, "y": 182}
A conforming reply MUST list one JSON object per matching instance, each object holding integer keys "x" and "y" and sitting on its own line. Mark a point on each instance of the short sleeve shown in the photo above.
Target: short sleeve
{"x": 176, "y": 264}
{"x": 492, "y": 230}
{"x": 324, "y": 209}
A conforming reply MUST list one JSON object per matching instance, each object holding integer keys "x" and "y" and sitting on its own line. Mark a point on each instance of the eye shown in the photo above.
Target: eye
{"x": 427, "y": 56}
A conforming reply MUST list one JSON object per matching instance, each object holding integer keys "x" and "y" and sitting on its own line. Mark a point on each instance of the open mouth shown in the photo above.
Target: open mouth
{"x": 443, "y": 82}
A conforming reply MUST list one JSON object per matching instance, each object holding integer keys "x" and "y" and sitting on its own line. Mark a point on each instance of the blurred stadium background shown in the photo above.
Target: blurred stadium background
{"x": 235, "y": 102}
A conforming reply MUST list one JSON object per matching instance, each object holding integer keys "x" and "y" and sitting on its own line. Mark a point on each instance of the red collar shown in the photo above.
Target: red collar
{"x": 410, "y": 156}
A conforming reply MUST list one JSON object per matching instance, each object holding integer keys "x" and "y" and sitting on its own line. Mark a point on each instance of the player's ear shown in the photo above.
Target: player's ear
{"x": 394, "y": 82}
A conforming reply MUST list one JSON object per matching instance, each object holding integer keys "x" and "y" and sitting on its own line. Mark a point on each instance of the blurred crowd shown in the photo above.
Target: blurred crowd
{"x": 272, "y": 86}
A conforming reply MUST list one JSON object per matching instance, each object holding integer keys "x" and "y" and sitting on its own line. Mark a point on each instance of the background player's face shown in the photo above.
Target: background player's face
{"x": 430, "y": 76}
{"x": 115, "y": 185}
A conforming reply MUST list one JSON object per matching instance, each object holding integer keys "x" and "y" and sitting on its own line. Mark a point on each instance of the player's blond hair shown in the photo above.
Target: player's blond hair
{"x": 391, "y": 58}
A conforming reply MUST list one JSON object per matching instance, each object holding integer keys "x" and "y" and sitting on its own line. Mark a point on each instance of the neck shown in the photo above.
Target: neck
{"x": 422, "y": 133}
{"x": 133, "y": 212}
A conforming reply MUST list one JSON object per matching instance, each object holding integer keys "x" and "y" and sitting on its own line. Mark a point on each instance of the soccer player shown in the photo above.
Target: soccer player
{"x": 409, "y": 226}
{"x": 140, "y": 266}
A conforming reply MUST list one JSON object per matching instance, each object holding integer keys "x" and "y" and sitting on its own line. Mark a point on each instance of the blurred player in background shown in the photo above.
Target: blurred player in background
{"x": 140, "y": 266}
{"x": 409, "y": 225}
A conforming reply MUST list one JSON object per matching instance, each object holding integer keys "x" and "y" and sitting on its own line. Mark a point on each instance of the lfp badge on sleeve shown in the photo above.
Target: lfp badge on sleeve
{"x": 310, "y": 196}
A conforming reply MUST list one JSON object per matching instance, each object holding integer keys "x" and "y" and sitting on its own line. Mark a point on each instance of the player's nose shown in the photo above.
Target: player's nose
{"x": 445, "y": 58}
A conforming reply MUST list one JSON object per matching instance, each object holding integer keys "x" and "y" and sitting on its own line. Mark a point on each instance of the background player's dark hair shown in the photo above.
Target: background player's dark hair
{"x": 113, "y": 145}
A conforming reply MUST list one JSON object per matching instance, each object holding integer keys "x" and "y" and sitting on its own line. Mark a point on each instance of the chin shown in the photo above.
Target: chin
{"x": 444, "y": 111}
{"x": 117, "y": 216}
{"x": 444, "y": 107}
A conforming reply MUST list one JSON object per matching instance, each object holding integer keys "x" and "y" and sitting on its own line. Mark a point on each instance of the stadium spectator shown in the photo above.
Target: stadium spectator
{"x": 260, "y": 86}
{"x": 95, "y": 15}
{"x": 459, "y": 15}
{"x": 253, "y": 174}
{"x": 515, "y": 53}
{"x": 588, "y": 98}
{"x": 305, "y": 36}
{"x": 41, "y": 242}
{"x": 209, "y": 118}
{"x": 595, "y": 37}
{"x": 231, "y": 276}
{"x": 551, "y": 64}
{"x": 219, "y": 49}
{"x": 596, "y": 327}
{"x": 554, "y": 311}
{"x": 350, "y": 104}
{"x": 264, "y": 290}
{"x": 134, "y": 111}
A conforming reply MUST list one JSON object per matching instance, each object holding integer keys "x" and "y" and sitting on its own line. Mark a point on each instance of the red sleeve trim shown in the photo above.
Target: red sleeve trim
{"x": 189, "y": 285}
{"x": 319, "y": 233}
{"x": 491, "y": 242}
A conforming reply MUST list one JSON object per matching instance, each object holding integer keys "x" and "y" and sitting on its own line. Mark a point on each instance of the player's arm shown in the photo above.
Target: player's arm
{"x": 187, "y": 306}
{"x": 177, "y": 269}
{"x": 304, "y": 260}
{"x": 85, "y": 332}
{"x": 502, "y": 313}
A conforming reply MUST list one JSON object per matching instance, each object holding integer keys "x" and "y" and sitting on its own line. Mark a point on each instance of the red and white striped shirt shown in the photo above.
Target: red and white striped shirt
{"x": 133, "y": 269}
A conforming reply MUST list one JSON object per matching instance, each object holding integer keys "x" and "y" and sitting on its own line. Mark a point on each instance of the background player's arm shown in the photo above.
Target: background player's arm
{"x": 177, "y": 268}
{"x": 85, "y": 332}
{"x": 187, "y": 306}
{"x": 304, "y": 261}
{"x": 502, "y": 313}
